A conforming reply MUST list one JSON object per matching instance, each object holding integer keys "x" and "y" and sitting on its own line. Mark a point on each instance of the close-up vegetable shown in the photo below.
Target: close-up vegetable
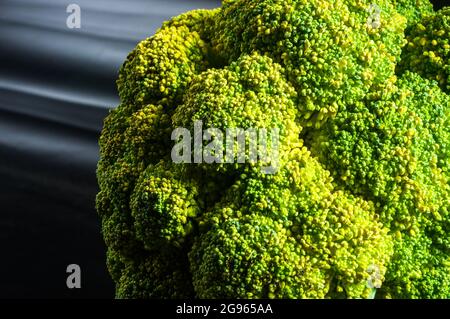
{"x": 359, "y": 203}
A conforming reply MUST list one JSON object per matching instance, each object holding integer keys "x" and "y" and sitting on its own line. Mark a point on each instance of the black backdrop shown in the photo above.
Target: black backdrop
{"x": 56, "y": 85}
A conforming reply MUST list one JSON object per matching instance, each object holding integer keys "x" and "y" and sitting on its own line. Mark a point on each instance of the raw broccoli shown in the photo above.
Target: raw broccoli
{"x": 358, "y": 201}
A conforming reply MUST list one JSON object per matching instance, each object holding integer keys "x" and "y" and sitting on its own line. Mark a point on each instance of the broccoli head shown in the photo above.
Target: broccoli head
{"x": 349, "y": 195}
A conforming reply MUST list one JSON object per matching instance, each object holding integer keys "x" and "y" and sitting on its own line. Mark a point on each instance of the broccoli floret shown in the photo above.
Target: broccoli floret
{"x": 288, "y": 235}
{"x": 162, "y": 207}
{"x": 392, "y": 149}
{"x": 159, "y": 68}
{"x": 413, "y": 10}
{"x": 428, "y": 48}
{"x": 251, "y": 93}
{"x": 151, "y": 275}
{"x": 417, "y": 270}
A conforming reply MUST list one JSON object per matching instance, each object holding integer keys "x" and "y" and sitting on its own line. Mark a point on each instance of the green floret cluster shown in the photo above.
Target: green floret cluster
{"x": 392, "y": 148}
{"x": 413, "y": 10}
{"x": 358, "y": 203}
{"x": 428, "y": 50}
{"x": 342, "y": 55}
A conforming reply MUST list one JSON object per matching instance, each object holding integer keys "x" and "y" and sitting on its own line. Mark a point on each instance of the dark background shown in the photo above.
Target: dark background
{"x": 56, "y": 86}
